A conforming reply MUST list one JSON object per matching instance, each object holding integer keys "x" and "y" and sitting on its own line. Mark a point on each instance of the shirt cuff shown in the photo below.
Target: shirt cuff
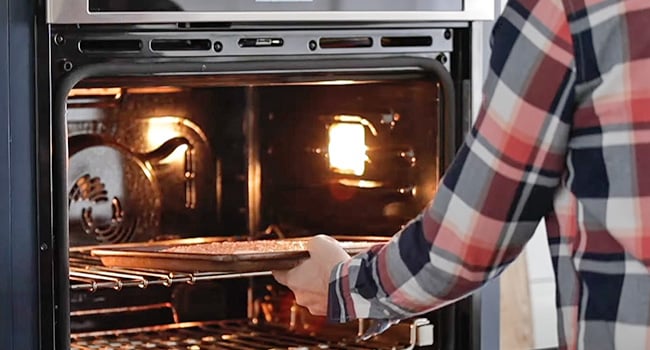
{"x": 351, "y": 297}
{"x": 340, "y": 306}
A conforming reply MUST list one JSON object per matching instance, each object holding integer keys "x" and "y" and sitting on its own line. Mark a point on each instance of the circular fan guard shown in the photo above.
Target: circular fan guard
{"x": 117, "y": 228}
{"x": 113, "y": 195}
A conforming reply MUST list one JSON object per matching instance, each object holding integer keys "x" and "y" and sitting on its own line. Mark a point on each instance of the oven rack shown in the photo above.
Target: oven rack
{"x": 235, "y": 335}
{"x": 89, "y": 274}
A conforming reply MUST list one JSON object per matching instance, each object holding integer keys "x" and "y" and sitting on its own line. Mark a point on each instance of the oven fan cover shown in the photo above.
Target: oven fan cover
{"x": 113, "y": 195}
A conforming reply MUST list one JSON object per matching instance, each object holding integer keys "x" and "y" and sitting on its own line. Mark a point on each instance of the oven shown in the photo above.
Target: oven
{"x": 182, "y": 122}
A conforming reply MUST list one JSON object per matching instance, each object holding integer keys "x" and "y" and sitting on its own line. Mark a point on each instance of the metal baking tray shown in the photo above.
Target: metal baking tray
{"x": 151, "y": 255}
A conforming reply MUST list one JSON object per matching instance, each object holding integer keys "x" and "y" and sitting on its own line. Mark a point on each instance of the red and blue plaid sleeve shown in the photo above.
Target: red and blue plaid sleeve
{"x": 500, "y": 185}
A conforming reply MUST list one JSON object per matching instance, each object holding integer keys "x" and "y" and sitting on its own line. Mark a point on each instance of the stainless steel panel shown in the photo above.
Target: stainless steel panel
{"x": 294, "y": 42}
{"x": 271, "y": 5}
{"x": 77, "y": 11}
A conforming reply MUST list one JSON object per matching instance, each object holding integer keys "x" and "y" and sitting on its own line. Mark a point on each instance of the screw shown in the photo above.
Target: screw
{"x": 313, "y": 45}
{"x": 218, "y": 46}
{"x": 442, "y": 58}
{"x": 447, "y": 34}
{"x": 44, "y": 246}
{"x": 59, "y": 39}
{"x": 67, "y": 65}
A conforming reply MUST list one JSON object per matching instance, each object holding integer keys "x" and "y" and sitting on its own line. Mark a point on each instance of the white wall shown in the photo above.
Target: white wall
{"x": 541, "y": 281}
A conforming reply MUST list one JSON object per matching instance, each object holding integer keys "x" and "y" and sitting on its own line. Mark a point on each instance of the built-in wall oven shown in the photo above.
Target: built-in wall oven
{"x": 165, "y": 123}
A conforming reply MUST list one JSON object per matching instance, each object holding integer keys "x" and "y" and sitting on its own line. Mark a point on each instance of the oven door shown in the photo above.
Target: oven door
{"x": 159, "y": 11}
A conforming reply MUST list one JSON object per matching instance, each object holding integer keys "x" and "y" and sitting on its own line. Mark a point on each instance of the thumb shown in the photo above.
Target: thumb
{"x": 326, "y": 248}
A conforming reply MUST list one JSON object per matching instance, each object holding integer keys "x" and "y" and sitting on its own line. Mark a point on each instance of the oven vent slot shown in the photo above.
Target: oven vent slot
{"x": 406, "y": 41}
{"x": 345, "y": 42}
{"x": 181, "y": 45}
{"x": 101, "y": 46}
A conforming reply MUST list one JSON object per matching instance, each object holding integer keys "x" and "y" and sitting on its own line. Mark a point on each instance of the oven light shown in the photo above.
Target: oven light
{"x": 335, "y": 82}
{"x": 162, "y": 130}
{"x": 347, "y": 148}
{"x": 361, "y": 183}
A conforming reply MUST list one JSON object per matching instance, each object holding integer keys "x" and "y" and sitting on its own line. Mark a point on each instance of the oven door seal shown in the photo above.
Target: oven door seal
{"x": 447, "y": 126}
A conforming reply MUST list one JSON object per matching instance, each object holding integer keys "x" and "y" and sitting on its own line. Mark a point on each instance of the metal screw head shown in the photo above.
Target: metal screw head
{"x": 67, "y": 65}
{"x": 218, "y": 46}
{"x": 44, "y": 246}
{"x": 447, "y": 34}
{"x": 59, "y": 39}
{"x": 313, "y": 45}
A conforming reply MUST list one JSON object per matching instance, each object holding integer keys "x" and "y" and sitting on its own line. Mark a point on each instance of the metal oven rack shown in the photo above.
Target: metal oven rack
{"x": 88, "y": 273}
{"x": 236, "y": 335}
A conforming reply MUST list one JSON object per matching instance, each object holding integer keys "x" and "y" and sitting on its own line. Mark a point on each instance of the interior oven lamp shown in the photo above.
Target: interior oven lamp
{"x": 347, "y": 144}
{"x": 162, "y": 129}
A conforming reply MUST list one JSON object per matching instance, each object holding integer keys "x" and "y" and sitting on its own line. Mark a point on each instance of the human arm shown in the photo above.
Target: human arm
{"x": 501, "y": 182}
{"x": 492, "y": 197}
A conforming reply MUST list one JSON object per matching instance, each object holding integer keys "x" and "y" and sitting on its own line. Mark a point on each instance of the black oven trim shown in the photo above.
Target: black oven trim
{"x": 19, "y": 301}
{"x": 58, "y": 153}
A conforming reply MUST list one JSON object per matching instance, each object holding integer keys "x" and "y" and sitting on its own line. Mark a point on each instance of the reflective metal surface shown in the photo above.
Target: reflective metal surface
{"x": 242, "y": 335}
{"x": 88, "y": 274}
{"x": 270, "y": 5}
{"x": 79, "y": 11}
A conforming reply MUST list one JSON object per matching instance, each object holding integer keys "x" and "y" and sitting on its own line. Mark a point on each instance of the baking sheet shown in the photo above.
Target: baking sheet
{"x": 151, "y": 255}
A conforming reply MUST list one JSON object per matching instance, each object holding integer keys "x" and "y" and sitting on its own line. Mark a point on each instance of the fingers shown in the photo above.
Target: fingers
{"x": 280, "y": 276}
{"x": 326, "y": 249}
{"x": 319, "y": 241}
{"x": 294, "y": 277}
{"x": 309, "y": 280}
{"x": 315, "y": 303}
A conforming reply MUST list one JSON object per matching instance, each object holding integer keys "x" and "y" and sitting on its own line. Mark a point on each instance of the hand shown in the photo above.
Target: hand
{"x": 309, "y": 281}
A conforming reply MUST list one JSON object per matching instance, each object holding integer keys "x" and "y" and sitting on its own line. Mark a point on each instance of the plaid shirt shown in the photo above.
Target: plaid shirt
{"x": 563, "y": 133}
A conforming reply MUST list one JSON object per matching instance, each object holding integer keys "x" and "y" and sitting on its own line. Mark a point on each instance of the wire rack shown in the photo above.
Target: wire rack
{"x": 235, "y": 335}
{"x": 89, "y": 274}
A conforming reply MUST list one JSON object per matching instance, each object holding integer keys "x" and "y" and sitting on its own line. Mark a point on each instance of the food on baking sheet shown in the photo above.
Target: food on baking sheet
{"x": 256, "y": 247}
{"x": 241, "y": 247}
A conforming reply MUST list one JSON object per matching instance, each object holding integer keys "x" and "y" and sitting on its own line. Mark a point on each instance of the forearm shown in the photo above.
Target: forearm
{"x": 380, "y": 283}
{"x": 430, "y": 263}
{"x": 499, "y": 186}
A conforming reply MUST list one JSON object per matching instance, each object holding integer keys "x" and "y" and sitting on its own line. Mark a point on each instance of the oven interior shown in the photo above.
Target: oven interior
{"x": 225, "y": 156}
{"x": 259, "y": 154}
